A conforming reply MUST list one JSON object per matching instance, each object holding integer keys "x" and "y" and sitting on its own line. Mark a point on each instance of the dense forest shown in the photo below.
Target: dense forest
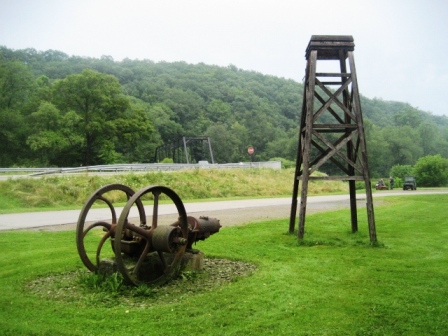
{"x": 60, "y": 110}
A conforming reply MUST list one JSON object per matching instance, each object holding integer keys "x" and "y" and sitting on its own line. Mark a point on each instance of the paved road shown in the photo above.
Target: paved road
{"x": 229, "y": 212}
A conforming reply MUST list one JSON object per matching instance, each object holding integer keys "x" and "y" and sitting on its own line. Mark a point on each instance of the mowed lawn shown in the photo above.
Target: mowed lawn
{"x": 333, "y": 283}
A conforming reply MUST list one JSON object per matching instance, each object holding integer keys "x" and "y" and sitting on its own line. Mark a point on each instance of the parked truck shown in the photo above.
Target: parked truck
{"x": 409, "y": 183}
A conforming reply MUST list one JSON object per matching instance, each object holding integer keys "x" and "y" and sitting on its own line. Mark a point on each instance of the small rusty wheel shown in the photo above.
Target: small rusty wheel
{"x": 159, "y": 256}
{"x": 91, "y": 233}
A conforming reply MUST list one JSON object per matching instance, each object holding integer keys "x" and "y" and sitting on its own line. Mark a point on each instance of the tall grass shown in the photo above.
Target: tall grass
{"x": 334, "y": 284}
{"x": 72, "y": 191}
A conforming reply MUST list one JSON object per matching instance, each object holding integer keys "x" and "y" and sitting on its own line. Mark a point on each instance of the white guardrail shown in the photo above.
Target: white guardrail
{"x": 141, "y": 167}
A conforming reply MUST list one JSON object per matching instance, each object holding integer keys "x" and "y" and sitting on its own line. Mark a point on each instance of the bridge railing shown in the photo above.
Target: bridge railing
{"x": 140, "y": 167}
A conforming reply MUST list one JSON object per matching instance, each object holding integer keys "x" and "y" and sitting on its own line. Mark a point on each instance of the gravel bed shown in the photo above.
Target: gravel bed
{"x": 69, "y": 287}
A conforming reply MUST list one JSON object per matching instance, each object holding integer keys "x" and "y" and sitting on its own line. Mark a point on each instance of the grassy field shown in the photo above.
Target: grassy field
{"x": 334, "y": 283}
{"x": 71, "y": 191}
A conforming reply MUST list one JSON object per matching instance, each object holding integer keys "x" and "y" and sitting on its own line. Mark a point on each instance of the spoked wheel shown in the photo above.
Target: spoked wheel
{"x": 91, "y": 233}
{"x": 158, "y": 255}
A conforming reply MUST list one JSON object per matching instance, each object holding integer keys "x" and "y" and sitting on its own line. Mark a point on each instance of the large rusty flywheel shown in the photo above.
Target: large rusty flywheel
{"x": 141, "y": 253}
{"x": 93, "y": 232}
{"x": 162, "y": 246}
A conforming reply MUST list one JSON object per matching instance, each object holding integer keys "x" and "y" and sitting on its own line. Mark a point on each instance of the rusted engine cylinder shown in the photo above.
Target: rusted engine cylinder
{"x": 210, "y": 225}
{"x": 201, "y": 228}
{"x": 167, "y": 239}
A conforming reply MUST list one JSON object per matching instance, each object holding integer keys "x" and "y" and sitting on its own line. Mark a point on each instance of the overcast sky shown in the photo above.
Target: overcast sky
{"x": 400, "y": 52}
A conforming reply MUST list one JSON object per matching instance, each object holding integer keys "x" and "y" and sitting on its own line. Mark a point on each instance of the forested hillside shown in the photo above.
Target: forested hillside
{"x": 57, "y": 110}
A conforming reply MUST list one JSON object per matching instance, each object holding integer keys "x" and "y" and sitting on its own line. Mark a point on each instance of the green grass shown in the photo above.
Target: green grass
{"x": 335, "y": 283}
{"x": 71, "y": 191}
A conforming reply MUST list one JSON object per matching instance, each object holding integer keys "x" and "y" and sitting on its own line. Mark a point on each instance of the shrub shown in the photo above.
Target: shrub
{"x": 401, "y": 171}
{"x": 431, "y": 171}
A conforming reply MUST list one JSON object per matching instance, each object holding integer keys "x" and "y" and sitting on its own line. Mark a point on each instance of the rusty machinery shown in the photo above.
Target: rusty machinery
{"x": 151, "y": 254}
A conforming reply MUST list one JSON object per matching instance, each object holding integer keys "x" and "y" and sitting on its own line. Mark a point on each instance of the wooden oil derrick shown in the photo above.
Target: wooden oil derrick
{"x": 331, "y": 128}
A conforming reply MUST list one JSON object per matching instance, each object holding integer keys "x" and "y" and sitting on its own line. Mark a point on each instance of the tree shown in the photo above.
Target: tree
{"x": 16, "y": 85}
{"x": 41, "y": 93}
{"x": 378, "y": 153}
{"x": 401, "y": 171}
{"x": 408, "y": 117}
{"x": 404, "y": 145}
{"x": 12, "y": 133}
{"x": 132, "y": 134}
{"x": 167, "y": 129}
{"x": 224, "y": 144}
{"x": 98, "y": 101}
{"x": 432, "y": 171}
{"x": 219, "y": 111}
{"x": 47, "y": 140}
{"x": 283, "y": 147}
{"x": 430, "y": 138}
{"x": 240, "y": 135}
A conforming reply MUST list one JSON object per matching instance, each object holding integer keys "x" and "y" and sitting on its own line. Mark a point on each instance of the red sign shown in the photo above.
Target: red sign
{"x": 251, "y": 150}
